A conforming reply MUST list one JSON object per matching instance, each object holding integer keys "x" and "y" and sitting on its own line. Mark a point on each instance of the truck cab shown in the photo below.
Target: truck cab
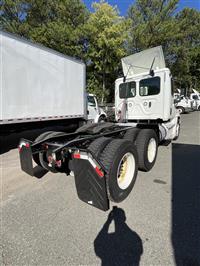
{"x": 95, "y": 113}
{"x": 145, "y": 97}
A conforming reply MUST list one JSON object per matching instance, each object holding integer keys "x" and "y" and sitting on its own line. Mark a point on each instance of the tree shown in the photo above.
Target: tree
{"x": 152, "y": 24}
{"x": 13, "y": 16}
{"x": 155, "y": 22}
{"x": 186, "y": 48}
{"x": 54, "y": 23}
{"x": 106, "y": 34}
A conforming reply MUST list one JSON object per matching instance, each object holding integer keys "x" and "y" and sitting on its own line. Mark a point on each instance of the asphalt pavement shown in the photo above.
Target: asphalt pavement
{"x": 44, "y": 223}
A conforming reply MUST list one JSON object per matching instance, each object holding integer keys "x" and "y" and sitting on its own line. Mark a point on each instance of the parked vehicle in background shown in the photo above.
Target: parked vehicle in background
{"x": 39, "y": 85}
{"x": 95, "y": 113}
{"x": 196, "y": 98}
{"x": 109, "y": 109}
{"x": 105, "y": 157}
{"x": 183, "y": 104}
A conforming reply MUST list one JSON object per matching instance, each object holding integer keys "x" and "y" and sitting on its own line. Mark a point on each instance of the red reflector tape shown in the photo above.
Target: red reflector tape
{"x": 99, "y": 172}
{"x": 23, "y": 144}
{"x": 77, "y": 156}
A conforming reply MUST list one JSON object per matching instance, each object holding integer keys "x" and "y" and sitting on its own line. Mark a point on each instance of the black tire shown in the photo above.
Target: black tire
{"x": 142, "y": 142}
{"x": 198, "y": 108}
{"x": 131, "y": 134}
{"x": 111, "y": 159}
{"x": 98, "y": 145}
{"x": 40, "y": 138}
{"x": 181, "y": 109}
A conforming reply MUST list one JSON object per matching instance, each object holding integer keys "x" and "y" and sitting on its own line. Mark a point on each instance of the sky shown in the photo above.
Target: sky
{"x": 123, "y": 5}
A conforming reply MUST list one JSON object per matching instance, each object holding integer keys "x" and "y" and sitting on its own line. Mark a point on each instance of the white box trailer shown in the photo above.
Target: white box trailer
{"x": 39, "y": 84}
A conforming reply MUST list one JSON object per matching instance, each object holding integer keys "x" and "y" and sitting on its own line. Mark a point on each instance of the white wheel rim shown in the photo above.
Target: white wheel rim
{"x": 126, "y": 170}
{"x": 151, "y": 151}
{"x": 180, "y": 110}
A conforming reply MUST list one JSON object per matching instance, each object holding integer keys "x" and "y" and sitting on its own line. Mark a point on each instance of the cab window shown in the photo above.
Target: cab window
{"x": 91, "y": 101}
{"x": 150, "y": 86}
{"x": 127, "y": 90}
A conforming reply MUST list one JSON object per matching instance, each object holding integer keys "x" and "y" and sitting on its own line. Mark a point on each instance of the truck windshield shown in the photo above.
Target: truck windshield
{"x": 91, "y": 100}
{"x": 127, "y": 90}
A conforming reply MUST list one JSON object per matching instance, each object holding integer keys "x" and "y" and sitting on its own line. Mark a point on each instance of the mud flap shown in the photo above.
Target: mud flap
{"x": 25, "y": 154}
{"x": 91, "y": 188}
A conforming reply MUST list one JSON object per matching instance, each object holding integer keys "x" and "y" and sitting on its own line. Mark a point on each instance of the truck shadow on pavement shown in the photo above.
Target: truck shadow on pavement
{"x": 11, "y": 141}
{"x": 122, "y": 247}
{"x": 186, "y": 204}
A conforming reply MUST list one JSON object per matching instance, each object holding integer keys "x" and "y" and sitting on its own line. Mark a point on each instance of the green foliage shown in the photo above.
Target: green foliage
{"x": 186, "y": 48}
{"x": 58, "y": 24}
{"x": 54, "y": 23}
{"x": 155, "y": 22}
{"x": 12, "y": 16}
{"x": 106, "y": 33}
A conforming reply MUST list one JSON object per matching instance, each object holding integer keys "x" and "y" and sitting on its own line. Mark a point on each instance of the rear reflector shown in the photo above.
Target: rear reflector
{"x": 99, "y": 172}
{"x": 84, "y": 156}
{"x": 77, "y": 156}
{"x": 23, "y": 144}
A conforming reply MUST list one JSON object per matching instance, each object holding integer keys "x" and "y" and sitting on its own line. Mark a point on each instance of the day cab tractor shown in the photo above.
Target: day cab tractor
{"x": 105, "y": 157}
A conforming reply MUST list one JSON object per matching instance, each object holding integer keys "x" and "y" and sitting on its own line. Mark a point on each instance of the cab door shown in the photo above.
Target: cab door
{"x": 93, "y": 109}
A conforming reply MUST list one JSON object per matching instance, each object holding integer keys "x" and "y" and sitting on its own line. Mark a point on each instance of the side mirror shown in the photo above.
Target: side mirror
{"x": 124, "y": 79}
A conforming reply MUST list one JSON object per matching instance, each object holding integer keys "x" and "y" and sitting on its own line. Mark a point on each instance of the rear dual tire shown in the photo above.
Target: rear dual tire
{"x": 120, "y": 161}
{"x": 146, "y": 141}
{"x": 147, "y": 147}
{"x": 119, "y": 158}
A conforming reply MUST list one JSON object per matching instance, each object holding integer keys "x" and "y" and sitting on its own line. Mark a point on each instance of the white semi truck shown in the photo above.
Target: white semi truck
{"x": 105, "y": 157}
{"x": 40, "y": 85}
